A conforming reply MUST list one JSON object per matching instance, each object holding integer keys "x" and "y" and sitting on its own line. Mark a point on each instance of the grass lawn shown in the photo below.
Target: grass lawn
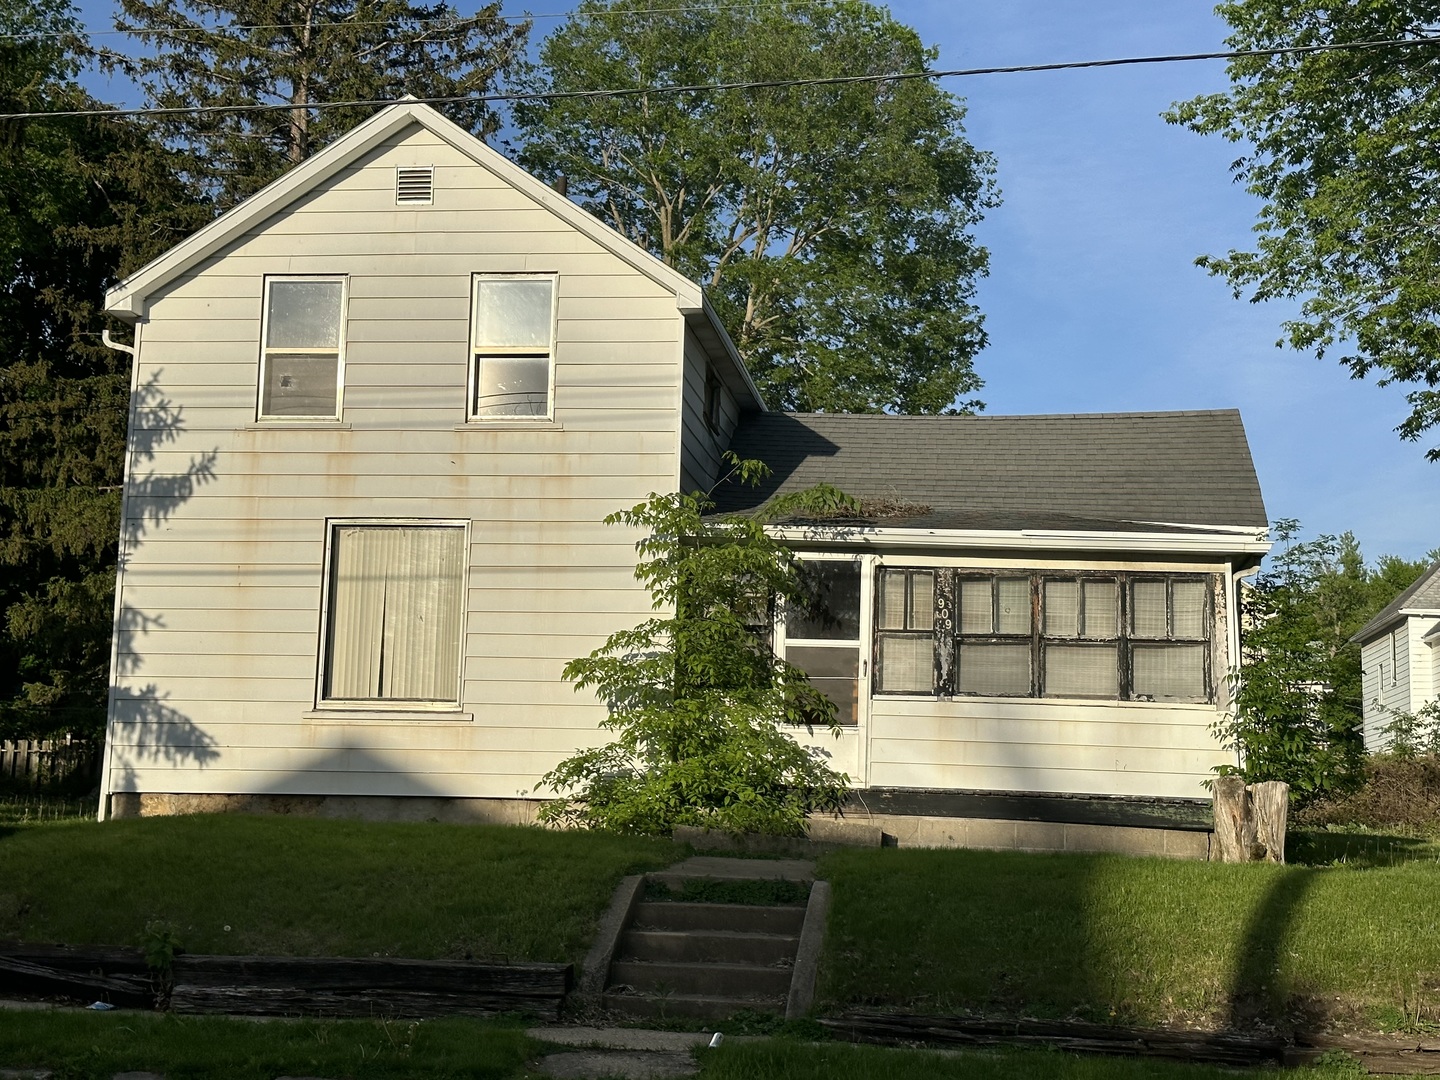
{"x": 81, "y": 1046}
{"x": 243, "y": 885}
{"x": 1145, "y": 941}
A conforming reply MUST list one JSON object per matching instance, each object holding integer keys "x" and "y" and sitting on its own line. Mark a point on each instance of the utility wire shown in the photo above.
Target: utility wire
{"x": 764, "y": 84}
{"x": 457, "y": 21}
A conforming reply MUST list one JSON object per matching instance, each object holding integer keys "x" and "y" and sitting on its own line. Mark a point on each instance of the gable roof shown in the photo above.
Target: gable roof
{"x": 1124, "y": 472}
{"x": 128, "y": 298}
{"x": 1421, "y": 598}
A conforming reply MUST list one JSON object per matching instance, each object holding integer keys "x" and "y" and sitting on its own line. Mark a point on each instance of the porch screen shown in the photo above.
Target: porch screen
{"x": 396, "y": 601}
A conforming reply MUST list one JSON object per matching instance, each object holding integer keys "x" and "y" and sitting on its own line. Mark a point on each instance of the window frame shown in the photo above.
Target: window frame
{"x": 1119, "y": 641}
{"x": 327, "y": 600}
{"x": 261, "y": 417}
{"x": 879, "y": 631}
{"x": 472, "y": 378}
{"x": 994, "y": 636}
{"x": 948, "y": 634}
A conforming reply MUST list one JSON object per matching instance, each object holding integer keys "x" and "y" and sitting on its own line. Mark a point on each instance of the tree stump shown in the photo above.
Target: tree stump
{"x": 1250, "y": 820}
{"x": 1234, "y": 822}
{"x": 1270, "y": 804}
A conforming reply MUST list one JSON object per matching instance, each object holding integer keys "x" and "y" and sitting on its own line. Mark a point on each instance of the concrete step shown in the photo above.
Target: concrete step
{"x": 708, "y": 946}
{"x": 696, "y": 1006}
{"x": 704, "y": 980}
{"x": 714, "y": 868}
{"x": 737, "y": 918}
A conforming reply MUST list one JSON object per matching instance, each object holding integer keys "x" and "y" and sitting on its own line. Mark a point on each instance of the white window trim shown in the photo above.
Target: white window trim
{"x": 472, "y": 380}
{"x": 367, "y": 705}
{"x": 270, "y": 279}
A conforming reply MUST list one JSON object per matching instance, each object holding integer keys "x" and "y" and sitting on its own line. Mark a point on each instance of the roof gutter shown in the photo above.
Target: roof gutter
{"x": 1025, "y": 540}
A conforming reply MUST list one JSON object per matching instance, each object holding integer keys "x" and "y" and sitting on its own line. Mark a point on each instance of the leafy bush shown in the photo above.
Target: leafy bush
{"x": 1399, "y": 791}
{"x": 698, "y": 700}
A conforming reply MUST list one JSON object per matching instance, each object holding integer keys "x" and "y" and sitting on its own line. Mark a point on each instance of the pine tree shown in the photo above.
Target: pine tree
{"x": 297, "y": 53}
{"x": 82, "y": 201}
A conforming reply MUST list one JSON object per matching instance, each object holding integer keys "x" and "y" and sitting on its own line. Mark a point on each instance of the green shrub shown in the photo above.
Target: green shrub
{"x": 701, "y": 707}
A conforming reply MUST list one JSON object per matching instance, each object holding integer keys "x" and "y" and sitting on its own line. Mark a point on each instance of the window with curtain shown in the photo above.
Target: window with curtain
{"x": 303, "y": 338}
{"x": 395, "y": 611}
{"x": 512, "y": 344}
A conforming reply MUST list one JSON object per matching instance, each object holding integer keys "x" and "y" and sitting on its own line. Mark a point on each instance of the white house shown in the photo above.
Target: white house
{"x": 1400, "y": 656}
{"x": 380, "y": 410}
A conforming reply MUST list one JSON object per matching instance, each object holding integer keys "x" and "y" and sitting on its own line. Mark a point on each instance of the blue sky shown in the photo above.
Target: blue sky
{"x": 1094, "y": 303}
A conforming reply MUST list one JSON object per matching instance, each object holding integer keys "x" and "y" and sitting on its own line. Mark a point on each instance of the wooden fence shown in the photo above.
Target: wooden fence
{"x": 31, "y": 763}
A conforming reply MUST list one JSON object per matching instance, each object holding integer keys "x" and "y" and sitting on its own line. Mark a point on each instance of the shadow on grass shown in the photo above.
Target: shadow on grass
{"x": 1360, "y": 849}
{"x": 1258, "y": 993}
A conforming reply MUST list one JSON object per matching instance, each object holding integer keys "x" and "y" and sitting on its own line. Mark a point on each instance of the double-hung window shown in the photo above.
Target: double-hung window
{"x": 394, "y": 613}
{"x": 512, "y": 346}
{"x": 302, "y": 348}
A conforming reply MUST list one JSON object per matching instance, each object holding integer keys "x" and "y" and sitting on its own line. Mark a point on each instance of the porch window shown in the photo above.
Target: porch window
{"x": 905, "y": 632}
{"x": 303, "y": 340}
{"x": 512, "y": 346}
{"x": 1081, "y": 643}
{"x": 393, "y": 620}
{"x": 1169, "y": 620}
{"x": 1106, "y": 636}
{"x": 993, "y": 639}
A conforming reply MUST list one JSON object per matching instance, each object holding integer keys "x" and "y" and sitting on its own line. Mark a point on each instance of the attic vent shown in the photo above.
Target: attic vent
{"x": 415, "y": 185}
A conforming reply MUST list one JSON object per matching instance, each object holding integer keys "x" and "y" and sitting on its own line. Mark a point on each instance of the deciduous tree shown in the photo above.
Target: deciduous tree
{"x": 1344, "y": 148}
{"x": 1298, "y": 698}
{"x": 831, "y": 223}
{"x": 699, "y": 703}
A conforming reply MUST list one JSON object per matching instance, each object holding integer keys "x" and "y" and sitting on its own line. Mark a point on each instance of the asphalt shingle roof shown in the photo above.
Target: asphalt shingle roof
{"x": 1423, "y": 595}
{"x": 1086, "y": 471}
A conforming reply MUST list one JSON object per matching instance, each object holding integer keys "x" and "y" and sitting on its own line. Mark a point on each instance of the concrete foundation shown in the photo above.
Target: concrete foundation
{"x": 855, "y": 829}
{"x": 1037, "y": 836}
{"x": 129, "y": 804}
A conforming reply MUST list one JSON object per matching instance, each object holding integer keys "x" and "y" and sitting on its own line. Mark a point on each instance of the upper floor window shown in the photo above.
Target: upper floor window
{"x": 302, "y": 348}
{"x": 512, "y": 346}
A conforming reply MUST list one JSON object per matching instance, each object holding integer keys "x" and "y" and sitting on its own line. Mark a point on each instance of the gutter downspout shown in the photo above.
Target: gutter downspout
{"x": 1235, "y": 577}
{"x": 133, "y": 351}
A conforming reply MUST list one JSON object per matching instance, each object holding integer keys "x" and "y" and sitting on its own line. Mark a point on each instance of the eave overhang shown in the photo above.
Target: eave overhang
{"x": 1243, "y": 546}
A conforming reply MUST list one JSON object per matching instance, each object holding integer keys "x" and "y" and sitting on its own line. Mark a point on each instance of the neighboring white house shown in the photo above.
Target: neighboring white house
{"x": 380, "y": 410}
{"x": 1400, "y": 656}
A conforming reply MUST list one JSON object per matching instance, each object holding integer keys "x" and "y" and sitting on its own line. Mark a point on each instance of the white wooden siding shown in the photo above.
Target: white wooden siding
{"x": 701, "y": 448}
{"x": 1421, "y": 661}
{"x": 220, "y": 609}
{"x": 1122, "y": 748}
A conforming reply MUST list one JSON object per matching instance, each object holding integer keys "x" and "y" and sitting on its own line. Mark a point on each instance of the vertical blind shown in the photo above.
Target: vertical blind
{"x": 396, "y": 601}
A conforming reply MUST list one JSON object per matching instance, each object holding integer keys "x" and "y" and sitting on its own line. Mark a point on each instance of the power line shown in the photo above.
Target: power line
{"x": 763, "y": 84}
{"x": 237, "y": 27}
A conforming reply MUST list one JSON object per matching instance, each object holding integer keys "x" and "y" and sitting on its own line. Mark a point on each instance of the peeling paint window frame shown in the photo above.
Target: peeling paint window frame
{"x": 949, "y": 636}
{"x": 270, "y": 280}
